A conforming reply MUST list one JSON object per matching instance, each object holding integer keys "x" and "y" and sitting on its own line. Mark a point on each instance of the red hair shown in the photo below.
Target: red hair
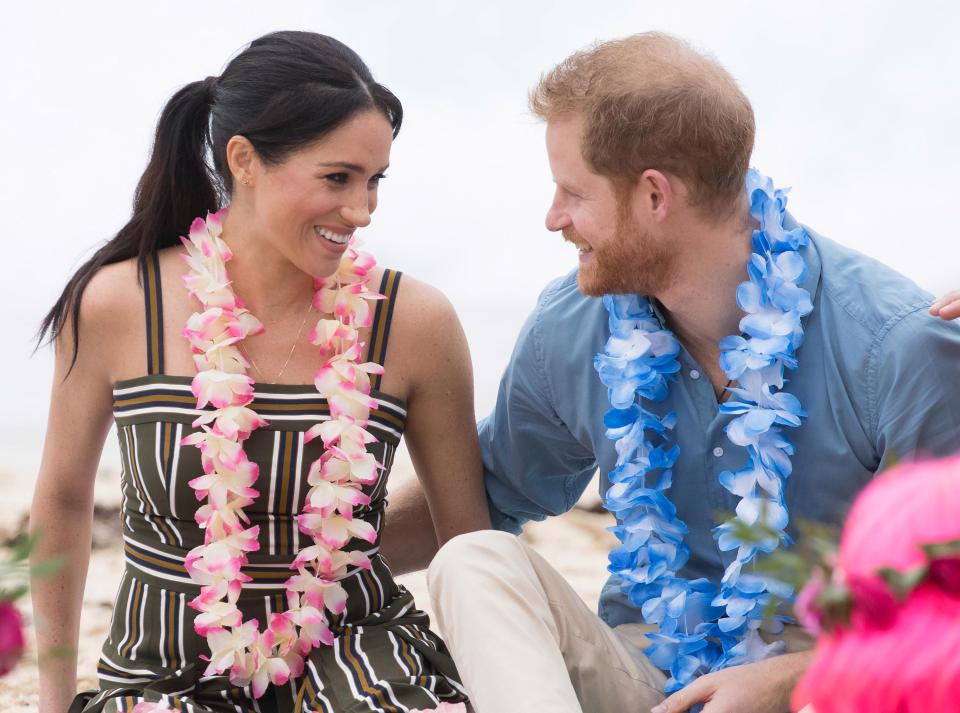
{"x": 912, "y": 665}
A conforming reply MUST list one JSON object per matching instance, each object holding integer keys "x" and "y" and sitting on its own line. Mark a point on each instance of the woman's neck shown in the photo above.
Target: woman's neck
{"x": 267, "y": 282}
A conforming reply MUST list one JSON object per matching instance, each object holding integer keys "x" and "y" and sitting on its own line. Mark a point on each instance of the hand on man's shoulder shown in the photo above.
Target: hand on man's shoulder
{"x": 947, "y": 307}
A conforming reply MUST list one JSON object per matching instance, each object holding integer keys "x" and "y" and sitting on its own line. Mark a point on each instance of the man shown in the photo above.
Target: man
{"x": 649, "y": 144}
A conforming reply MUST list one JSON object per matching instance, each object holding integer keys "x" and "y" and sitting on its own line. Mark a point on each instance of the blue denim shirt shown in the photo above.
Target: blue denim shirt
{"x": 878, "y": 376}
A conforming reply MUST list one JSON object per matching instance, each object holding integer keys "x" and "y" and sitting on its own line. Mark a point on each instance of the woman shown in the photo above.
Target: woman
{"x": 255, "y": 466}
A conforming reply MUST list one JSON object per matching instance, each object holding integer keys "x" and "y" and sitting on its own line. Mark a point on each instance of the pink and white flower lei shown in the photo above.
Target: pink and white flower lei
{"x": 336, "y": 478}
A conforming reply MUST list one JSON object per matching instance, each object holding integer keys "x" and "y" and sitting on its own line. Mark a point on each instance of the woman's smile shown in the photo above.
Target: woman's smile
{"x": 331, "y": 239}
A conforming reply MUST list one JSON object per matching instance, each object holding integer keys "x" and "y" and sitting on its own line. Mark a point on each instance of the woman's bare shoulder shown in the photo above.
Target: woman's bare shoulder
{"x": 108, "y": 289}
{"x": 113, "y": 292}
{"x": 110, "y": 316}
{"x": 425, "y": 332}
{"x": 428, "y": 345}
{"x": 422, "y": 309}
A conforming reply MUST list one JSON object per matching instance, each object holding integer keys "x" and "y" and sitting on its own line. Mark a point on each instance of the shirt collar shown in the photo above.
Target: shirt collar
{"x": 811, "y": 256}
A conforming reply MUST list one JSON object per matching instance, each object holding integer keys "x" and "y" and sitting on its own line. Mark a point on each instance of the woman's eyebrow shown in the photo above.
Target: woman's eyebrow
{"x": 355, "y": 167}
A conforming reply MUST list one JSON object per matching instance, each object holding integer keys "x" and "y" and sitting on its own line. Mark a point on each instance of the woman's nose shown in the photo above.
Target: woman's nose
{"x": 357, "y": 213}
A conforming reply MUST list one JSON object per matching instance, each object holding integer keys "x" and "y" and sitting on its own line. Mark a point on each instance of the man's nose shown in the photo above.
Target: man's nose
{"x": 556, "y": 218}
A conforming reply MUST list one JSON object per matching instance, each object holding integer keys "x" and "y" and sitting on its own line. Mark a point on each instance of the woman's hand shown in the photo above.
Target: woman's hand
{"x": 947, "y": 307}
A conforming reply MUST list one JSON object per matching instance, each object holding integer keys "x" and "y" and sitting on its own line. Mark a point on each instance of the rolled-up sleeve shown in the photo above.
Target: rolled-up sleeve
{"x": 533, "y": 466}
{"x": 915, "y": 388}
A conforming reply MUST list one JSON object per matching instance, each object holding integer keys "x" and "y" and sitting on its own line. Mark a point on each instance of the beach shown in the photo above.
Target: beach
{"x": 575, "y": 543}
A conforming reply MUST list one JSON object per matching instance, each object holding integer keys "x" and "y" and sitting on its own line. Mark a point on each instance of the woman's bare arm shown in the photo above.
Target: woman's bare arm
{"x": 409, "y": 538}
{"x": 441, "y": 433}
{"x": 62, "y": 510}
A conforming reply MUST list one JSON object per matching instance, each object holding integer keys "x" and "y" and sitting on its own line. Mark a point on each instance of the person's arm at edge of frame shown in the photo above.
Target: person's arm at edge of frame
{"x": 62, "y": 509}
{"x": 947, "y": 307}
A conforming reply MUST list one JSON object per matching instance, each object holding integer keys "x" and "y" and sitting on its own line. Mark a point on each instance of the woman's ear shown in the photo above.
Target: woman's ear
{"x": 242, "y": 160}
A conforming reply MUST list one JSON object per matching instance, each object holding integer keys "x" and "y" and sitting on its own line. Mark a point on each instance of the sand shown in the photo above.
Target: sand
{"x": 575, "y": 543}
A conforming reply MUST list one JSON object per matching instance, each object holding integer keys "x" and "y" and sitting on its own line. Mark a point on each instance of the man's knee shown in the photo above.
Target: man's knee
{"x": 473, "y": 554}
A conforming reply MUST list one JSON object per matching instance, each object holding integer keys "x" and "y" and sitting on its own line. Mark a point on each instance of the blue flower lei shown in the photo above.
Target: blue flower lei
{"x": 701, "y": 627}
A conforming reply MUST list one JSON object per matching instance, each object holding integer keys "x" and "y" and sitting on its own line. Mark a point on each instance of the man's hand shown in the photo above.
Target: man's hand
{"x": 947, "y": 307}
{"x": 762, "y": 687}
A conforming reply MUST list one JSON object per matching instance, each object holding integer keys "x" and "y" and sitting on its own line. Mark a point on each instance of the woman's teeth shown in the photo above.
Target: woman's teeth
{"x": 338, "y": 238}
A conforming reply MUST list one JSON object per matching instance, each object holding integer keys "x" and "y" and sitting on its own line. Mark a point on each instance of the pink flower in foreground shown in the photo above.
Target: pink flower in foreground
{"x": 11, "y": 637}
{"x": 806, "y": 607}
{"x": 945, "y": 573}
{"x": 873, "y": 603}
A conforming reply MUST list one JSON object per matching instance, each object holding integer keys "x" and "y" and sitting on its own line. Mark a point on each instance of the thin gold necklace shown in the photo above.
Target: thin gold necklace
{"x": 293, "y": 348}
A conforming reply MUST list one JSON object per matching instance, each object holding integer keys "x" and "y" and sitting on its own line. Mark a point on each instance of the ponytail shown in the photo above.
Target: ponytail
{"x": 176, "y": 187}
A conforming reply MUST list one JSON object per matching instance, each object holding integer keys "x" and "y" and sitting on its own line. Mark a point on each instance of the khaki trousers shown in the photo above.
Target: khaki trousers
{"x": 524, "y": 641}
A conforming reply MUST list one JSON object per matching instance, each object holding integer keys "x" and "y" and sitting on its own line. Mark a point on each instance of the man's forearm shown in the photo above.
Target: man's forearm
{"x": 797, "y": 666}
{"x": 409, "y": 540}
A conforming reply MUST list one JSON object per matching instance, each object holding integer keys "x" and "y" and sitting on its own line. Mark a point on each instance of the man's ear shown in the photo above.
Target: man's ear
{"x": 653, "y": 197}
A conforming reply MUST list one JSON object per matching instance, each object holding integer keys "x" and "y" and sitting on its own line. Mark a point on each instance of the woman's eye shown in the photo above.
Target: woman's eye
{"x": 374, "y": 180}
{"x": 339, "y": 178}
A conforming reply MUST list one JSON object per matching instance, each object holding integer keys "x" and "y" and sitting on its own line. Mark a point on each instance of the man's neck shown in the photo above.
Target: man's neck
{"x": 701, "y": 304}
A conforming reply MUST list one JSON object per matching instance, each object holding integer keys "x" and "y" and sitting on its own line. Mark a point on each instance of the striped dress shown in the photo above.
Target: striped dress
{"x": 385, "y": 658}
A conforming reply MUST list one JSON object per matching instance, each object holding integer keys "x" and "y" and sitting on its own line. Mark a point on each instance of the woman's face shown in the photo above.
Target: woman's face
{"x": 309, "y": 205}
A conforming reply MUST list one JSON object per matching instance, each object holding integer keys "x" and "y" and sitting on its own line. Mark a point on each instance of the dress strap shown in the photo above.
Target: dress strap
{"x": 153, "y": 305}
{"x": 380, "y": 331}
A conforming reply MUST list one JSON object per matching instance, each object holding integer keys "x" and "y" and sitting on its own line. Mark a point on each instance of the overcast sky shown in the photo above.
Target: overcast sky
{"x": 857, "y": 106}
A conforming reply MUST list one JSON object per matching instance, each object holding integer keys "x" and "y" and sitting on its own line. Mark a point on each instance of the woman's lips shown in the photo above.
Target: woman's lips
{"x": 332, "y": 240}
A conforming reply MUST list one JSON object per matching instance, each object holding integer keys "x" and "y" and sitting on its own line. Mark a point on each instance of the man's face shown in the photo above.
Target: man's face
{"x": 618, "y": 255}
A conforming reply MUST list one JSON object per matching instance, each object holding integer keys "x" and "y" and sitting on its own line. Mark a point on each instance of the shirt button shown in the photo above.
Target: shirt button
{"x": 694, "y": 374}
{"x": 717, "y": 452}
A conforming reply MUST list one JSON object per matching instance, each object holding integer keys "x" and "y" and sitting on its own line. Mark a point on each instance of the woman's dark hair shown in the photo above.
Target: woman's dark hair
{"x": 284, "y": 91}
